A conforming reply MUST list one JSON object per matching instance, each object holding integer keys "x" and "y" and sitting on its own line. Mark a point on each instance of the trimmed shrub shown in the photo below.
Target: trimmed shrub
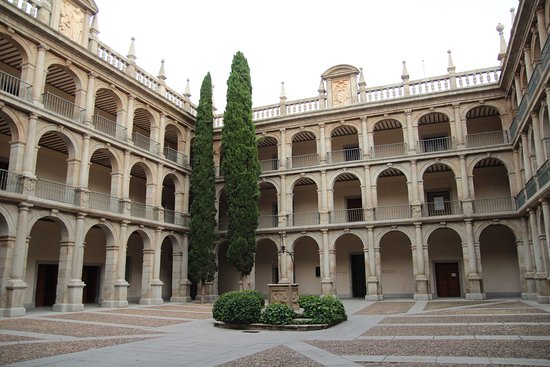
{"x": 323, "y": 309}
{"x": 238, "y": 307}
{"x": 277, "y": 314}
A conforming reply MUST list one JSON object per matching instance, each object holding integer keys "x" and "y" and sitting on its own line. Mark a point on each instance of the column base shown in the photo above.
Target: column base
{"x": 372, "y": 290}
{"x": 114, "y": 304}
{"x": 151, "y": 301}
{"x": 327, "y": 287}
{"x": 180, "y": 299}
{"x": 422, "y": 297}
{"x": 121, "y": 294}
{"x": 543, "y": 299}
{"x": 475, "y": 296}
{"x": 13, "y": 312}
{"x": 15, "y": 295}
{"x": 68, "y": 307}
{"x": 373, "y": 297}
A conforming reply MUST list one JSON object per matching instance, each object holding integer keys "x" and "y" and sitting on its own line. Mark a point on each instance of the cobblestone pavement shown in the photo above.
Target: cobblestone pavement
{"x": 506, "y": 332}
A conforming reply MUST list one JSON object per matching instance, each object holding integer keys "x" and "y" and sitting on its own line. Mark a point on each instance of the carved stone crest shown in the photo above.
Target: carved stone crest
{"x": 71, "y": 22}
{"x": 341, "y": 92}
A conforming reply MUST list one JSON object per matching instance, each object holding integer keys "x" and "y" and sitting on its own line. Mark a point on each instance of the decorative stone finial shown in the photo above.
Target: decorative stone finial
{"x": 405, "y": 72}
{"x": 94, "y": 29}
{"x": 503, "y": 46}
{"x": 283, "y": 91}
{"x": 132, "y": 51}
{"x": 361, "y": 77}
{"x": 321, "y": 88}
{"x": 162, "y": 73}
{"x": 451, "y": 66}
{"x": 187, "y": 91}
{"x": 513, "y": 14}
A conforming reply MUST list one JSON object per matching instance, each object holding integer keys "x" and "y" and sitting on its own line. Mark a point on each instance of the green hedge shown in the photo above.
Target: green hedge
{"x": 239, "y": 307}
{"x": 277, "y": 314}
{"x": 322, "y": 309}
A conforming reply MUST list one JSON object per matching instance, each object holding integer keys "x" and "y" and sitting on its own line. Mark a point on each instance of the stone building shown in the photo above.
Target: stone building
{"x": 428, "y": 188}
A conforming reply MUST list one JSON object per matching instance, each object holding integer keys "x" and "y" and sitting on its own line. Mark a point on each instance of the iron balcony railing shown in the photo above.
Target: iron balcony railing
{"x": 15, "y": 86}
{"x": 392, "y": 212}
{"x": 109, "y": 127}
{"x": 487, "y": 138}
{"x": 55, "y": 191}
{"x": 175, "y": 156}
{"x": 346, "y": 155}
{"x": 62, "y": 107}
{"x": 173, "y": 217}
{"x": 389, "y": 150}
{"x": 268, "y": 221}
{"x": 303, "y": 219}
{"x": 269, "y": 164}
{"x": 347, "y": 215}
{"x": 143, "y": 142}
{"x": 141, "y": 210}
{"x": 437, "y": 208}
{"x": 9, "y": 181}
{"x": 105, "y": 202}
{"x": 538, "y": 181}
{"x": 494, "y": 205}
{"x": 436, "y": 144}
{"x": 306, "y": 160}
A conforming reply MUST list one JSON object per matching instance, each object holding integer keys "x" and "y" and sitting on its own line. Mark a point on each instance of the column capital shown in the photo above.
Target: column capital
{"x": 408, "y": 111}
{"x": 456, "y": 105}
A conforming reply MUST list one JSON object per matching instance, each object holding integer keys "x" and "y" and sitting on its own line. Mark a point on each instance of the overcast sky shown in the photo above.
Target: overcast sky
{"x": 296, "y": 41}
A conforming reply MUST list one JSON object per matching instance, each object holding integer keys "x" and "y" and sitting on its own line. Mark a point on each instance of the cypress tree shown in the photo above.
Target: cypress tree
{"x": 241, "y": 168}
{"x": 202, "y": 259}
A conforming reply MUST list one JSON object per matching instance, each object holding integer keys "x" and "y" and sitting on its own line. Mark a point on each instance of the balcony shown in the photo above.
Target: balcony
{"x": 347, "y": 215}
{"x": 306, "y": 160}
{"x": 175, "y": 156}
{"x": 15, "y": 86}
{"x": 268, "y": 221}
{"x": 438, "y": 208}
{"x": 487, "y": 139}
{"x": 62, "y": 107}
{"x": 269, "y": 165}
{"x": 173, "y": 217}
{"x": 9, "y": 181}
{"x": 392, "y": 212}
{"x": 436, "y": 144}
{"x": 55, "y": 191}
{"x": 302, "y": 219}
{"x": 494, "y": 205}
{"x": 104, "y": 202}
{"x": 109, "y": 127}
{"x": 141, "y": 210}
{"x": 143, "y": 142}
{"x": 388, "y": 150}
{"x": 346, "y": 155}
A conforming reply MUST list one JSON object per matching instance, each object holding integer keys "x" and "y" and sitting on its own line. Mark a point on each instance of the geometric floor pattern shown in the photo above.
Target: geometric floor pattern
{"x": 503, "y": 332}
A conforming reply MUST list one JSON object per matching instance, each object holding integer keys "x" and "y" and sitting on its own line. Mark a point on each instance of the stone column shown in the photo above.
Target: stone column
{"x": 83, "y": 175}
{"x": 281, "y": 199}
{"x": 327, "y": 282}
{"x": 121, "y": 284}
{"x": 75, "y": 284}
{"x": 185, "y": 283}
{"x": 322, "y": 144}
{"x": 372, "y": 276}
{"x": 517, "y": 85}
{"x": 539, "y": 149}
{"x": 188, "y": 144}
{"x": 529, "y": 275}
{"x": 130, "y": 118}
{"x": 474, "y": 279}
{"x": 147, "y": 277}
{"x": 326, "y": 202}
{"x": 110, "y": 275}
{"x": 283, "y": 266}
{"x": 282, "y": 149}
{"x": 528, "y": 63}
{"x": 16, "y": 286}
{"x": 412, "y": 132}
{"x": 541, "y": 28}
{"x": 541, "y": 280}
{"x": 156, "y": 283}
{"x": 161, "y": 134}
{"x": 30, "y": 147}
{"x": 459, "y": 125}
{"x": 526, "y": 156}
{"x": 364, "y": 138}
{"x": 39, "y": 75}
{"x": 90, "y": 98}
{"x": 519, "y": 180}
{"x": 332, "y": 266}
{"x": 64, "y": 273}
{"x": 422, "y": 293}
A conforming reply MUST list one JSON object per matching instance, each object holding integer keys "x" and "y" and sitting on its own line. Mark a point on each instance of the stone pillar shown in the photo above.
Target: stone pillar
{"x": 422, "y": 293}
{"x": 64, "y": 273}
{"x": 326, "y": 203}
{"x": 517, "y": 85}
{"x": 162, "y": 132}
{"x": 16, "y": 286}
{"x": 372, "y": 276}
{"x": 322, "y": 144}
{"x": 459, "y": 126}
{"x": 526, "y": 155}
{"x": 121, "y": 284}
{"x": 282, "y": 149}
{"x": 83, "y": 175}
{"x": 364, "y": 138}
{"x": 130, "y": 118}
{"x": 147, "y": 277}
{"x": 156, "y": 283}
{"x": 531, "y": 292}
{"x": 185, "y": 283}
{"x": 541, "y": 28}
{"x": 541, "y": 280}
{"x": 411, "y": 132}
{"x": 39, "y": 75}
{"x": 367, "y": 196}
{"x": 283, "y": 267}
{"x": 188, "y": 144}
{"x": 110, "y": 275}
{"x": 473, "y": 277}
{"x": 328, "y": 280}
{"x": 528, "y": 63}
{"x": 30, "y": 147}
{"x": 75, "y": 285}
{"x": 90, "y": 98}
{"x": 539, "y": 149}
{"x": 519, "y": 180}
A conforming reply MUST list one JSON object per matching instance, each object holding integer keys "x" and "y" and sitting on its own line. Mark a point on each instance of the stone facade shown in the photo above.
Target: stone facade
{"x": 430, "y": 188}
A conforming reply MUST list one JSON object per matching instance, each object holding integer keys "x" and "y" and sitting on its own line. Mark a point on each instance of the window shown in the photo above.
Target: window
{"x": 439, "y": 203}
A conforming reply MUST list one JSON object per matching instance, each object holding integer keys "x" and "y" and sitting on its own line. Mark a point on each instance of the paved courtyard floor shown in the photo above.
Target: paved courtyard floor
{"x": 504, "y": 332}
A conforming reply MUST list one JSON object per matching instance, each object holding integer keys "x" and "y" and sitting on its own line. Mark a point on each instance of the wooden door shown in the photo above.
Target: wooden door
{"x": 46, "y": 285}
{"x": 358, "y": 283}
{"x": 447, "y": 280}
{"x": 90, "y": 276}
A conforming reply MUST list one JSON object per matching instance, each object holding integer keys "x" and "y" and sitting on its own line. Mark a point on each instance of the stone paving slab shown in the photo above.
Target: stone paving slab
{"x": 386, "y": 308}
{"x": 23, "y": 352}
{"x": 507, "y": 304}
{"x": 489, "y": 311}
{"x": 65, "y": 328}
{"x": 453, "y": 348}
{"x": 161, "y": 313}
{"x": 436, "y": 305}
{"x": 542, "y": 330}
{"x": 280, "y": 356}
{"x": 416, "y": 319}
{"x": 117, "y": 319}
{"x": 13, "y": 338}
{"x": 189, "y": 308}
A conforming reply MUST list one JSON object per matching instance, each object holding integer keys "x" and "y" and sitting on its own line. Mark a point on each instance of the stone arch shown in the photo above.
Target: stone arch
{"x": 456, "y": 227}
{"x": 372, "y": 124}
{"x": 270, "y": 181}
{"x": 333, "y": 177}
{"x": 292, "y": 183}
{"x": 292, "y": 239}
{"x": 148, "y": 168}
{"x": 20, "y": 44}
{"x": 266, "y": 264}
{"x": 176, "y": 239}
{"x": 304, "y": 132}
{"x": 79, "y": 77}
{"x": 119, "y": 97}
{"x": 467, "y": 109}
{"x": 69, "y": 138}
{"x": 13, "y": 121}
{"x": 7, "y": 221}
{"x": 113, "y": 155}
{"x": 65, "y": 223}
{"x": 353, "y": 126}
{"x": 306, "y": 263}
{"x": 398, "y": 167}
{"x": 378, "y": 235}
{"x": 110, "y": 232}
{"x": 447, "y": 162}
{"x": 146, "y": 234}
{"x": 335, "y": 235}
{"x": 396, "y": 269}
{"x": 473, "y": 163}
{"x": 479, "y": 227}
{"x": 448, "y": 114}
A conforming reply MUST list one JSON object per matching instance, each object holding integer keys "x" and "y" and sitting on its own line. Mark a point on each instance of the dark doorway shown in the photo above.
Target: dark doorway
{"x": 358, "y": 284}
{"x": 90, "y": 276}
{"x": 447, "y": 280}
{"x": 46, "y": 284}
{"x": 355, "y": 209}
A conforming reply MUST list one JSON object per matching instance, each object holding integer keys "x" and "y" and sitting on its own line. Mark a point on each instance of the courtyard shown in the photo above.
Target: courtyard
{"x": 503, "y": 332}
